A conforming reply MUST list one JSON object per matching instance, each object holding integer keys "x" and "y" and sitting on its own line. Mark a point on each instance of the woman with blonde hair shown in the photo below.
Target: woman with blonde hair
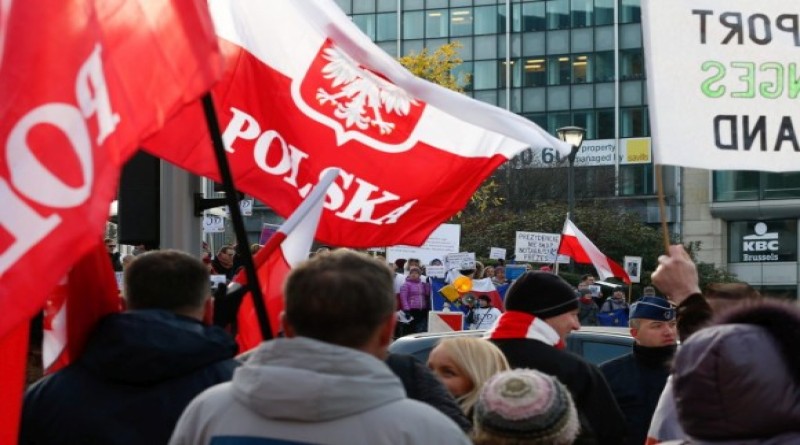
{"x": 464, "y": 364}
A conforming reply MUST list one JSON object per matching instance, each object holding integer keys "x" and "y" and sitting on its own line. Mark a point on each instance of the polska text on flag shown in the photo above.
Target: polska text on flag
{"x": 305, "y": 90}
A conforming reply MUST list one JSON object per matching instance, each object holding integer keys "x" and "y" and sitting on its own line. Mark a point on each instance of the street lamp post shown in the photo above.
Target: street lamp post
{"x": 574, "y": 137}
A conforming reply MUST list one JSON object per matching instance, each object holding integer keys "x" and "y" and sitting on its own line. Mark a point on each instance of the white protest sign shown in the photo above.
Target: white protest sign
{"x": 722, "y": 83}
{"x": 213, "y": 224}
{"x": 460, "y": 261}
{"x": 435, "y": 271}
{"x": 445, "y": 239}
{"x": 497, "y": 253}
{"x": 633, "y": 266}
{"x": 538, "y": 247}
{"x": 245, "y": 206}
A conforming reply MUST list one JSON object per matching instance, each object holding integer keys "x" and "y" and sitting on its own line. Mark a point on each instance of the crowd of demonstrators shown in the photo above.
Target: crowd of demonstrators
{"x": 463, "y": 365}
{"x": 484, "y": 315}
{"x": 541, "y": 310}
{"x": 525, "y": 406}
{"x": 140, "y": 368}
{"x": 637, "y": 379}
{"x": 326, "y": 381}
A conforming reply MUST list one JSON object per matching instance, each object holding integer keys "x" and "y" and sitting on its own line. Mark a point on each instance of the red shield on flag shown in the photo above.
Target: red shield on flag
{"x": 357, "y": 103}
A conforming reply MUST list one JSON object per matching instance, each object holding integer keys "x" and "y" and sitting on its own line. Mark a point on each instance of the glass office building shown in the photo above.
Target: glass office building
{"x": 581, "y": 62}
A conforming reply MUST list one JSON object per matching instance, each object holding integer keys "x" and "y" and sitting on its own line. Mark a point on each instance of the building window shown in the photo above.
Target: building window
{"x": 636, "y": 179}
{"x": 605, "y": 124}
{"x": 535, "y": 72}
{"x": 486, "y": 20}
{"x": 630, "y": 11}
{"x": 603, "y": 12}
{"x": 514, "y": 73}
{"x": 386, "y": 27}
{"x": 633, "y": 123}
{"x": 631, "y": 64}
{"x": 485, "y": 75}
{"x": 436, "y": 23}
{"x": 604, "y": 66}
{"x": 460, "y": 22}
{"x": 366, "y": 22}
{"x": 730, "y": 185}
{"x": 582, "y": 69}
{"x": 559, "y": 70}
{"x": 534, "y": 17}
{"x": 558, "y": 14}
{"x": 413, "y": 25}
{"x": 582, "y": 12}
{"x": 762, "y": 241}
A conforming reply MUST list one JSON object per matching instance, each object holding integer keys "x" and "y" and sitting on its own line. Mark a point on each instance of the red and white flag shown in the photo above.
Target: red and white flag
{"x": 305, "y": 90}
{"x": 88, "y": 293}
{"x": 81, "y": 83}
{"x": 285, "y": 249}
{"x": 484, "y": 286}
{"x": 577, "y": 246}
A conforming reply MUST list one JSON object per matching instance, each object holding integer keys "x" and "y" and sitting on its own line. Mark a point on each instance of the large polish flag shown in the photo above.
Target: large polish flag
{"x": 305, "y": 90}
{"x": 582, "y": 250}
{"x": 81, "y": 83}
{"x": 286, "y": 248}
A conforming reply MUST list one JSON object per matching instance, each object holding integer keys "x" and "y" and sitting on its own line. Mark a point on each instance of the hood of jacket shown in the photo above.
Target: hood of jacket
{"x": 308, "y": 380}
{"x": 740, "y": 380}
{"x": 144, "y": 347}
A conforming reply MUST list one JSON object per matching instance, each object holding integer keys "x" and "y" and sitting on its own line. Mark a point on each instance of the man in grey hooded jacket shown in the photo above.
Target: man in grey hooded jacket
{"x": 326, "y": 382}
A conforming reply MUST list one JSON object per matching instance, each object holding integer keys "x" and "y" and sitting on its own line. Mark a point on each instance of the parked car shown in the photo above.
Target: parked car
{"x": 596, "y": 344}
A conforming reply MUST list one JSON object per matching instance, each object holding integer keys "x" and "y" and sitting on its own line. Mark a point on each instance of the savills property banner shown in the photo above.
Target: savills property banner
{"x": 723, "y": 83}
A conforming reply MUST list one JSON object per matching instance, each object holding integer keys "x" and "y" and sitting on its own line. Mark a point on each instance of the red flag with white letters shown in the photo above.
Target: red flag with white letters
{"x": 81, "y": 83}
{"x": 305, "y": 90}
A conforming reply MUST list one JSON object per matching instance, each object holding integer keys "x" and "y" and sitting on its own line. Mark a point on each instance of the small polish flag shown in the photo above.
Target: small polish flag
{"x": 577, "y": 246}
{"x": 445, "y": 321}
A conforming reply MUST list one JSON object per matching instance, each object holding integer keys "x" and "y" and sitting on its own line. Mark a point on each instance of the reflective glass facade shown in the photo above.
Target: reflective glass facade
{"x": 556, "y": 62}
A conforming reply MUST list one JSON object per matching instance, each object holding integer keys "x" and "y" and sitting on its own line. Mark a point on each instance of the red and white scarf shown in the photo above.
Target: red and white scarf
{"x": 515, "y": 324}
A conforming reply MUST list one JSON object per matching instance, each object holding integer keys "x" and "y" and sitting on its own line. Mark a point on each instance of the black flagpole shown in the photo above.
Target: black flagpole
{"x": 236, "y": 216}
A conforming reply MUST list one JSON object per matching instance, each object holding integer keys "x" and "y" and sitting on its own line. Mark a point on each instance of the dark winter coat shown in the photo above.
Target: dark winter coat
{"x": 601, "y": 419}
{"x": 421, "y": 384}
{"x": 741, "y": 379}
{"x": 139, "y": 371}
{"x": 637, "y": 380}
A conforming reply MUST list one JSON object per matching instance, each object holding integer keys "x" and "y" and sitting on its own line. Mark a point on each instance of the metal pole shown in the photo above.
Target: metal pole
{"x": 571, "y": 194}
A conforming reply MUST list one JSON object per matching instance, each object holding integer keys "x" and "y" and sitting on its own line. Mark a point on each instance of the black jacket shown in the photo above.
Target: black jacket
{"x": 420, "y": 384}
{"x": 138, "y": 372}
{"x": 601, "y": 419}
{"x": 637, "y": 381}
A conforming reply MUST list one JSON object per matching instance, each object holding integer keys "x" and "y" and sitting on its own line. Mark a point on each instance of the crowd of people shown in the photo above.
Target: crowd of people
{"x": 159, "y": 372}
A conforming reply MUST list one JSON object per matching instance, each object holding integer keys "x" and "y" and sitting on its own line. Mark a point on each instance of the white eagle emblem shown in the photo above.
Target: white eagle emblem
{"x": 363, "y": 98}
